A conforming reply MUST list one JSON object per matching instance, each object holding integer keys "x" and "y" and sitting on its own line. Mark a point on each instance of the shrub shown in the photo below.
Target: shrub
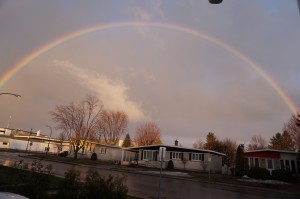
{"x": 94, "y": 156}
{"x": 170, "y": 165}
{"x": 283, "y": 175}
{"x": 259, "y": 173}
{"x": 98, "y": 187}
{"x": 71, "y": 186}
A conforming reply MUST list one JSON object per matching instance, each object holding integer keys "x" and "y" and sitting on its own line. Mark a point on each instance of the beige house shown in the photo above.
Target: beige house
{"x": 183, "y": 158}
{"x": 103, "y": 151}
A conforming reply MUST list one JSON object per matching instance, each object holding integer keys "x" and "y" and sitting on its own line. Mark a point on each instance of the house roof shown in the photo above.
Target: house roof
{"x": 271, "y": 150}
{"x": 177, "y": 148}
{"x": 105, "y": 145}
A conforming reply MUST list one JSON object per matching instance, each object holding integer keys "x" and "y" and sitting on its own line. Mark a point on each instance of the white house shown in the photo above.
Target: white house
{"x": 182, "y": 158}
{"x": 30, "y": 141}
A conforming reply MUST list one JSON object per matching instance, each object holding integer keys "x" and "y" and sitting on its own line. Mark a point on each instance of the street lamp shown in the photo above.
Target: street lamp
{"x": 215, "y": 1}
{"x": 16, "y": 95}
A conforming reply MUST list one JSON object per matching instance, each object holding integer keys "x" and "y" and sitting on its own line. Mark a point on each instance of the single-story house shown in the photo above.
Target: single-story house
{"x": 273, "y": 159}
{"x": 103, "y": 151}
{"x": 183, "y": 158}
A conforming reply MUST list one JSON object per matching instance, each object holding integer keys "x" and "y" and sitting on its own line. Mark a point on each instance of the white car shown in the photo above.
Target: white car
{"x": 7, "y": 195}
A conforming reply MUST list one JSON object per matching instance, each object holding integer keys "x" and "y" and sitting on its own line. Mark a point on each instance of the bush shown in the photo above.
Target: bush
{"x": 259, "y": 173}
{"x": 94, "y": 187}
{"x": 283, "y": 175}
{"x": 98, "y": 187}
{"x": 170, "y": 165}
{"x": 94, "y": 156}
{"x": 71, "y": 185}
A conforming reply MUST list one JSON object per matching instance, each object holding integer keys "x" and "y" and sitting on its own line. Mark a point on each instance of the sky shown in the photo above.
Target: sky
{"x": 191, "y": 67}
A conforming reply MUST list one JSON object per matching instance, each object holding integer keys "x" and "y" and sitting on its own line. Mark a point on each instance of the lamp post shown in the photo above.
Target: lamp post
{"x": 49, "y": 138}
{"x": 28, "y": 140}
{"x": 16, "y": 95}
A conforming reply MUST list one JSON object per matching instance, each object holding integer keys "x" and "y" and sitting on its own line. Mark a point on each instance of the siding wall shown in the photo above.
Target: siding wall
{"x": 215, "y": 164}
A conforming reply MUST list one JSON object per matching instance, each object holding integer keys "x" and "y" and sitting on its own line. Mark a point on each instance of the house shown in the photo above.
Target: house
{"x": 103, "y": 151}
{"x": 183, "y": 158}
{"x": 273, "y": 160}
{"x": 30, "y": 141}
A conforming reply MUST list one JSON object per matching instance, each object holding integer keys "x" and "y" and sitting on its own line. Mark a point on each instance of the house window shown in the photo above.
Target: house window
{"x": 251, "y": 162}
{"x": 282, "y": 165}
{"x": 197, "y": 157}
{"x": 270, "y": 164}
{"x": 287, "y": 165}
{"x": 293, "y": 165}
{"x": 4, "y": 143}
{"x": 102, "y": 150}
{"x": 177, "y": 155}
{"x": 148, "y": 155}
{"x": 256, "y": 163}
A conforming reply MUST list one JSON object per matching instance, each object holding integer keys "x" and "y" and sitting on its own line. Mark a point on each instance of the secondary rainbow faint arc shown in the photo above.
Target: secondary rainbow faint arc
{"x": 32, "y": 56}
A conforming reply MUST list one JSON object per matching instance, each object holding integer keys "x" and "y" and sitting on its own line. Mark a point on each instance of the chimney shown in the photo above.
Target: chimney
{"x": 176, "y": 142}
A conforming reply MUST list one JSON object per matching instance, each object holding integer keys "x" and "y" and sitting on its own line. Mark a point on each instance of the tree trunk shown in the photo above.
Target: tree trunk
{"x": 76, "y": 153}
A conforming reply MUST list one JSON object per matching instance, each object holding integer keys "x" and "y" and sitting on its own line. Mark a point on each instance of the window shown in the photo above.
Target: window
{"x": 281, "y": 164}
{"x": 4, "y": 143}
{"x": 293, "y": 166}
{"x": 148, "y": 155}
{"x": 102, "y": 150}
{"x": 197, "y": 156}
{"x": 287, "y": 165}
{"x": 251, "y": 162}
{"x": 270, "y": 164}
{"x": 177, "y": 155}
{"x": 256, "y": 163}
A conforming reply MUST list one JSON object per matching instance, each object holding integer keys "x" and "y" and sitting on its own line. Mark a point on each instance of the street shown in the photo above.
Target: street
{"x": 146, "y": 186}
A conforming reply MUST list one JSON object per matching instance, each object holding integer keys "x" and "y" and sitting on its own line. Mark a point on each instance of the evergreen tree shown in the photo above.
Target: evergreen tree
{"x": 211, "y": 142}
{"x": 282, "y": 142}
{"x": 127, "y": 141}
{"x": 240, "y": 161}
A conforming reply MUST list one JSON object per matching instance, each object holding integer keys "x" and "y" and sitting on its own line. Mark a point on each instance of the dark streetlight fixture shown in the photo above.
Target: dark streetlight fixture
{"x": 16, "y": 95}
{"x": 215, "y": 1}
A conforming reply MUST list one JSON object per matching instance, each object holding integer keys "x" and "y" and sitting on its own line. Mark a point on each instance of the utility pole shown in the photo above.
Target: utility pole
{"x": 49, "y": 139}
{"x": 28, "y": 140}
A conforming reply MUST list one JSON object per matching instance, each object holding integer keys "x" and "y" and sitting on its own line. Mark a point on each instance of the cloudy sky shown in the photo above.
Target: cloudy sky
{"x": 186, "y": 65}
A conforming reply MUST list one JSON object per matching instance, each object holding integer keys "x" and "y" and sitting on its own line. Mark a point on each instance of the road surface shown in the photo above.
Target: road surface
{"x": 146, "y": 186}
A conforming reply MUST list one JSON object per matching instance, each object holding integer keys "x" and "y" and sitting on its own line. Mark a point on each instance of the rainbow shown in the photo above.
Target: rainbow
{"x": 33, "y": 55}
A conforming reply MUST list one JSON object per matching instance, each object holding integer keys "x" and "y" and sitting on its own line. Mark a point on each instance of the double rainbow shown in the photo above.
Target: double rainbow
{"x": 33, "y": 55}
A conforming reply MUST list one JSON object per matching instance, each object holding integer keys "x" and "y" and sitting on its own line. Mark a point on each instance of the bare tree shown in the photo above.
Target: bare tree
{"x": 78, "y": 121}
{"x": 294, "y": 130}
{"x": 228, "y": 147}
{"x": 61, "y": 137}
{"x": 147, "y": 134}
{"x": 199, "y": 144}
{"x": 257, "y": 142}
{"x": 112, "y": 125}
